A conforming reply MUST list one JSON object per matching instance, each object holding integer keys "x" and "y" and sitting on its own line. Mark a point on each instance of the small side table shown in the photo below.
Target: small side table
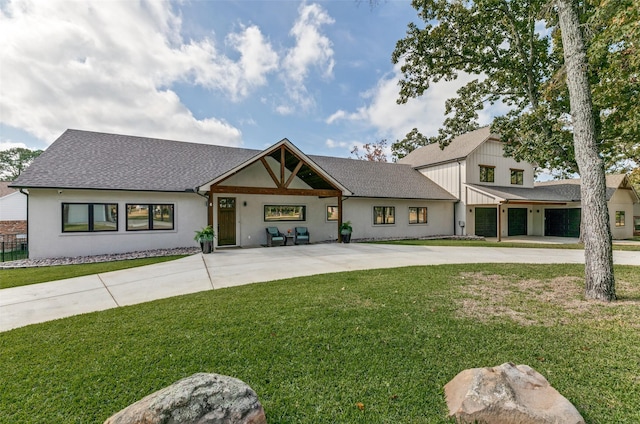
{"x": 288, "y": 237}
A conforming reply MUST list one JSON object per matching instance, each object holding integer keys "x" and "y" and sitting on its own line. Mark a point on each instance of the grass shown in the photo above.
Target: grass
{"x": 14, "y": 277}
{"x": 483, "y": 243}
{"x": 314, "y": 347}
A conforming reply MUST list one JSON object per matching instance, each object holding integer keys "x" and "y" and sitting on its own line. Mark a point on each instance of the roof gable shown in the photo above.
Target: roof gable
{"x": 459, "y": 148}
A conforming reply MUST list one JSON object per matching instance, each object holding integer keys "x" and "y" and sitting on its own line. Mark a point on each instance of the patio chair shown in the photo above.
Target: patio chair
{"x": 275, "y": 237}
{"x": 301, "y": 235}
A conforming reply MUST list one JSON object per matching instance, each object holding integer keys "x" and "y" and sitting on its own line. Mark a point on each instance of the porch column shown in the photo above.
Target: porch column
{"x": 339, "y": 217}
{"x": 499, "y": 222}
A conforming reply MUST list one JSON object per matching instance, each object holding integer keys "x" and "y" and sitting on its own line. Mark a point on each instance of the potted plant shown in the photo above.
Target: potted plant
{"x": 205, "y": 237}
{"x": 345, "y": 231}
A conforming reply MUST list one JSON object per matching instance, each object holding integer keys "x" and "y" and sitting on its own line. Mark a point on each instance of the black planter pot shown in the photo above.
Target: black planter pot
{"x": 346, "y": 237}
{"x": 206, "y": 246}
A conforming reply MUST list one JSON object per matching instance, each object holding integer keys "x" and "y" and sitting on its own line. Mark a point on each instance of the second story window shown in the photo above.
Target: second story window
{"x": 487, "y": 173}
{"x": 517, "y": 176}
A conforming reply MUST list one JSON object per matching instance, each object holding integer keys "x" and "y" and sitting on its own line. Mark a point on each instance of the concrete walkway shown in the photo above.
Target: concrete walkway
{"x": 36, "y": 303}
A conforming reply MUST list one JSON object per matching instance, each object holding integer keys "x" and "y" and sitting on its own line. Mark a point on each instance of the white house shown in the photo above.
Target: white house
{"x": 497, "y": 196}
{"x": 13, "y": 210}
{"x": 93, "y": 193}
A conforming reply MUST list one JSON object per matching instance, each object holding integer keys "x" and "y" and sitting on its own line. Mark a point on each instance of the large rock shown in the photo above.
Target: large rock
{"x": 199, "y": 399}
{"x": 513, "y": 394}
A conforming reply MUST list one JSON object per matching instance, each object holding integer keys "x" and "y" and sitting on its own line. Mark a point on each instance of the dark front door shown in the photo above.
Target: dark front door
{"x": 517, "y": 221}
{"x": 226, "y": 221}
{"x": 562, "y": 222}
{"x": 486, "y": 222}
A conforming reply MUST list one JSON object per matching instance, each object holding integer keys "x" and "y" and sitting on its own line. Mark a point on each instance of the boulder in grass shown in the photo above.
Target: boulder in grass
{"x": 513, "y": 394}
{"x": 199, "y": 399}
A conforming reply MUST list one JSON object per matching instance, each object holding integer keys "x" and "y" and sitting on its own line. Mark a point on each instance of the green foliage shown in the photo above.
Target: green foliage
{"x": 500, "y": 42}
{"x": 316, "y": 347}
{"x": 14, "y": 161}
{"x": 205, "y": 234}
{"x": 346, "y": 228}
{"x": 412, "y": 141}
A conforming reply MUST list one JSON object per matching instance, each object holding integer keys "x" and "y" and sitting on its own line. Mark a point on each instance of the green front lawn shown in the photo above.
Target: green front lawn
{"x": 483, "y": 243}
{"x": 315, "y": 347}
{"x": 15, "y": 277}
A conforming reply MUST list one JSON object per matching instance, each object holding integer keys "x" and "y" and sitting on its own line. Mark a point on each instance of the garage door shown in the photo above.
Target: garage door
{"x": 562, "y": 222}
{"x": 486, "y": 222}
{"x": 517, "y": 221}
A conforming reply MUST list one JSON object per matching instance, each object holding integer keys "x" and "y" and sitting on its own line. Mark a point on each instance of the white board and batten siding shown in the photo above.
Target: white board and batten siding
{"x": 491, "y": 154}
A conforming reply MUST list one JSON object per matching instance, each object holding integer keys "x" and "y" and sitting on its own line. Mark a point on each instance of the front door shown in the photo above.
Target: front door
{"x": 226, "y": 221}
{"x": 517, "y": 221}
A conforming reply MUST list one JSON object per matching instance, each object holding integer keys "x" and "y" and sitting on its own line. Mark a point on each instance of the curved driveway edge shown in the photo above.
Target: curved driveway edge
{"x": 20, "y": 306}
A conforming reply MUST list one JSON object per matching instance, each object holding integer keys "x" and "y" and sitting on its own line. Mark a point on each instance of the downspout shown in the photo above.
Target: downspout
{"x": 458, "y": 202}
{"x": 26, "y": 193}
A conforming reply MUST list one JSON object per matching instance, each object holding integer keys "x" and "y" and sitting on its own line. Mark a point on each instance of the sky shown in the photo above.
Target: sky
{"x": 242, "y": 73}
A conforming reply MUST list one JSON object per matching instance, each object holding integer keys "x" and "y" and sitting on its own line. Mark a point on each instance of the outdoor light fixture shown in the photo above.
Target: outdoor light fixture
{"x": 244, "y": 203}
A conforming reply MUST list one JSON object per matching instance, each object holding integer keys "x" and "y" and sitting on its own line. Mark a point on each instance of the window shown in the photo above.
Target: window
{"x": 285, "y": 212}
{"x": 417, "y": 215}
{"x": 487, "y": 173}
{"x": 619, "y": 218}
{"x": 517, "y": 176}
{"x": 384, "y": 215}
{"x": 89, "y": 217}
{"x": 149, "y": 217}
{"x": 332, "y": 213}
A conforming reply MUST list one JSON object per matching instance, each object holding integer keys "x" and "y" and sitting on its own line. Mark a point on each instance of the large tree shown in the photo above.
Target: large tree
{"x": 503, "y": 42}
{"x": 14, "y": 161}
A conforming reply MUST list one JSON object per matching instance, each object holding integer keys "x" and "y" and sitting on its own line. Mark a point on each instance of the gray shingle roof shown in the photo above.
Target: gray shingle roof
{"x": 91, "y": 160}
{"x": 379, "y": 179}
{"x": 549, "y": 191}
{"x": 83, "y": 159}
{"x": 459, "y": 148}
{"x": 5, "y": 190}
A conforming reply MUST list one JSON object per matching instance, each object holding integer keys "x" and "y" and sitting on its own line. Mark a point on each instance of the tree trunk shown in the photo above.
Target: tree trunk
{"x": 600, "y": 281}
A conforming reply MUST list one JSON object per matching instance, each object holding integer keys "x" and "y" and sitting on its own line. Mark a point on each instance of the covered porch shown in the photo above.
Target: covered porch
{"x": 279, "y": 187}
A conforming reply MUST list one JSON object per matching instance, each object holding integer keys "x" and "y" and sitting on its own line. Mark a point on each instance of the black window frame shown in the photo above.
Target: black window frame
{"x": 519, "y": 176}
{"x": 487, "y": 173}
{"x": 150, "y": 217}
{"x": 620, "y": 219}
{"x": 91, "y": 228}
{"x": 426, "y": 215}
{"x": 303, "y": 213}
{"x": 385, "y": 215}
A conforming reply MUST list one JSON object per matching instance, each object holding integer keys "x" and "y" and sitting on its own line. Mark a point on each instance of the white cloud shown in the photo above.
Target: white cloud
{"x": 8, "y": 144}
{"x": 312, "y": 50}
{"x": 394, "y": 121}
{"x": 333, "y": 144}
{"x": 107, "y": 66}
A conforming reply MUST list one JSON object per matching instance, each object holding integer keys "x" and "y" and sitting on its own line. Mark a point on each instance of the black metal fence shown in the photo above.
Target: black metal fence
{"x": 13, "y": 247}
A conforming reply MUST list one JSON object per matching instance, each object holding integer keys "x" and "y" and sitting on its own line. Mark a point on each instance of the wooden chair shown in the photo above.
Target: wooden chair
{"x": 275, "y": 237}
{"x": 301, "y": 235}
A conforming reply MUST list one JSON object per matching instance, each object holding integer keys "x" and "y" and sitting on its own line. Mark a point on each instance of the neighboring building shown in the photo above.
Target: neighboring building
{"x": 498, "y": 197}
{"x": 93, "y": 193}
{"x": 13, "y": 210}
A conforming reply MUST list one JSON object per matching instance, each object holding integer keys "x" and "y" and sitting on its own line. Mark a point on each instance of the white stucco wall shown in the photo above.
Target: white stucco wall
{"x": 13, "y": 207}
{"x": 622, "y": 200}
{"x": 360, "y": 212}
{"x": 250, "y": 223}
{"x": 46, "y": 238}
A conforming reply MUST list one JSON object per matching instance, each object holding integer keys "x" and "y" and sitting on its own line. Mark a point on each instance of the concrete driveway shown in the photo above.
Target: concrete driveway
{"x": 36, "y": 303}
